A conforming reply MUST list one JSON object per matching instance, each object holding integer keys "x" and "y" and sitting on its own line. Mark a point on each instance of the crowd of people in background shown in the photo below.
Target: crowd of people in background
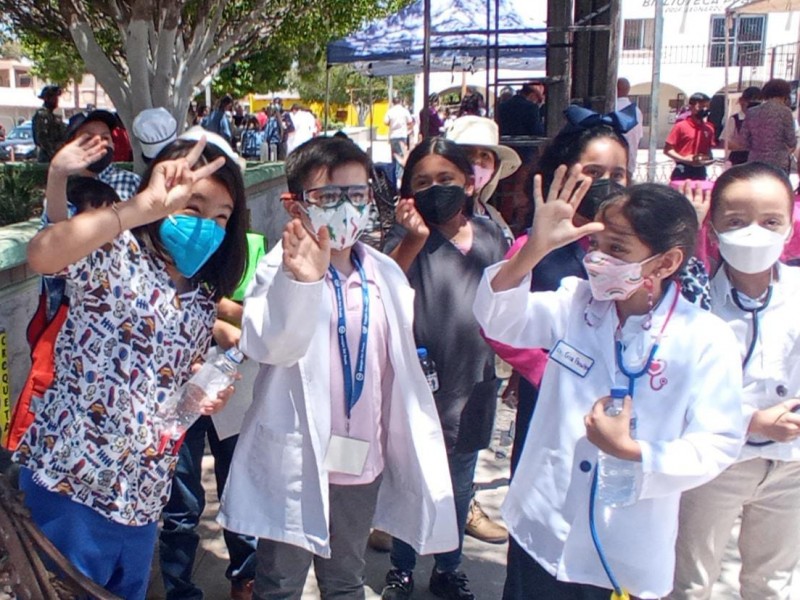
{"x": 671, "y": 299}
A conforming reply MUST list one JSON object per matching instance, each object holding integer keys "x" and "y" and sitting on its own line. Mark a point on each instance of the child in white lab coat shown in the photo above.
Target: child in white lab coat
{"x": 751, "y": 218}
{"x": 627, "y": 326}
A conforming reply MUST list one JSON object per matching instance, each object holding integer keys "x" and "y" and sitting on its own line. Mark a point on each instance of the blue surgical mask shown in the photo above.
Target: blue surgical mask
{"x": 190, "y": 241}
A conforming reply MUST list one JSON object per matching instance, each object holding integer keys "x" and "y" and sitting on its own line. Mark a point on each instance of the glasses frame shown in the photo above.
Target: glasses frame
{"x": 343, "y": 195}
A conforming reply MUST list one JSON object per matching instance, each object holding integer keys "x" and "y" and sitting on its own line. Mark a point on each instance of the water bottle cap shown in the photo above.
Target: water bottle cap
{"x": 235, "y": 355}
{"x": 618, "y": 392}
{"x": 422, "y": 352}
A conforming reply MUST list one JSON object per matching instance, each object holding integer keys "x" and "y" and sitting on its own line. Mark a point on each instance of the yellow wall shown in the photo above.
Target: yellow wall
{"x": 318, "y": 108}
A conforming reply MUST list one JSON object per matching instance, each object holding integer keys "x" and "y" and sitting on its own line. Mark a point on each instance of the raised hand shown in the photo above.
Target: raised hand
{"x": 171, "y": 182}
{"x": 552, "y": 225}
{"x": 73, "y": 157}
{"x": 552, "y": 218}
{"x": 306, "y": 258}
{"x": 700, "y": 199}
{"x": 407, "y": 215}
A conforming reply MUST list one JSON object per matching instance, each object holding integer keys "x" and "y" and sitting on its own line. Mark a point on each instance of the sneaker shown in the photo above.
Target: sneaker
{"x": 380, "y": 541}
{"x": 399, "y": 585}
{"x": 481, "y": 527}
{"x": 242, "y": 590}
{"x": 452, "y": 585}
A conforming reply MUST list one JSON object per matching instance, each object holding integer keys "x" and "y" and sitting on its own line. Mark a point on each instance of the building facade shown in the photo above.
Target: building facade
{"x": 19, "y": 91}
{"x": 761, "y": 47}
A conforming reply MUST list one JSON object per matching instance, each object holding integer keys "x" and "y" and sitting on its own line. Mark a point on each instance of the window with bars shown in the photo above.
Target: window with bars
{"x": 745, "y": 41}
{"x": 638, "y": 34}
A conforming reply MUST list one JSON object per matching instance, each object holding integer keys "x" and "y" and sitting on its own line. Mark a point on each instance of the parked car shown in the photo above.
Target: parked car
{"x": 21, "y": 140}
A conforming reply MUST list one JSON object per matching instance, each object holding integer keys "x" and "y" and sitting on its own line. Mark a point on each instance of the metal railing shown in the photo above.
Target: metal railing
{"x": 754, "y": 63}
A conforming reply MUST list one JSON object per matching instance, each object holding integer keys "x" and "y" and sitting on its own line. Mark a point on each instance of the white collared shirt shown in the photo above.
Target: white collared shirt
{"x": 772, "y": 374}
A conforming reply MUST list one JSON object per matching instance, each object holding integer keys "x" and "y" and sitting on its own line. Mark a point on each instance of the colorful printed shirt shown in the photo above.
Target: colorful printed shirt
{"x": 127, "y": 344}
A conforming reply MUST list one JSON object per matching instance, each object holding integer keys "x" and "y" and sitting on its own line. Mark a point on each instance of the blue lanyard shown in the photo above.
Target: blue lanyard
{"x": 352, "y": 392}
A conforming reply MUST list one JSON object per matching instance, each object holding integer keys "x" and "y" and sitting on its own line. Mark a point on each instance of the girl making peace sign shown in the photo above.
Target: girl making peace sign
{"x": 144, "y": 279}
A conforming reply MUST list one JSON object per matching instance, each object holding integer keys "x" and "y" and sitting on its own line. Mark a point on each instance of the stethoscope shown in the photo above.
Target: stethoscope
{"x": 754, "y": 312}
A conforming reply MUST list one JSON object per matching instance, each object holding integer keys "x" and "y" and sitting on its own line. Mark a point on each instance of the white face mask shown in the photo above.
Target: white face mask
{"x": 345, "y": 222}
{"x": 482, "y": 177}
{"x": 751, "y": 249}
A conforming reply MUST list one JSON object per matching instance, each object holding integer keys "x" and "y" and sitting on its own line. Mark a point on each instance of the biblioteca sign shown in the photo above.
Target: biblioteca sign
{"x": 691, "y": 6}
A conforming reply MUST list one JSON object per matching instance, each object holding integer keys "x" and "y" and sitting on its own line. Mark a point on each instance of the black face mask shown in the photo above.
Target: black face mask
{"x": 752, "y": 104}
{"x": 440, "y": 203}
{"x": 100, "y": 165}
{"x": 600, "y": 190}
{"x": 703, "y": 113}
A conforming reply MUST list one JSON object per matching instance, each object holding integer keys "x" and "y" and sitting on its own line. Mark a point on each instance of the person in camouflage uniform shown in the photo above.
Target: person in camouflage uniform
{"x": 49, "y": 130}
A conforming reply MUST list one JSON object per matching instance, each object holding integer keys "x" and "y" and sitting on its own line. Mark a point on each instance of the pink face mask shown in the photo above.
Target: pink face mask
{"x": 482, "y": 177}
{"x": 611, "y": 278}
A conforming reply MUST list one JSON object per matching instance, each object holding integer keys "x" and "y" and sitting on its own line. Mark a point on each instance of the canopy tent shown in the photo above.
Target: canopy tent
{"x": 463, "y": 33}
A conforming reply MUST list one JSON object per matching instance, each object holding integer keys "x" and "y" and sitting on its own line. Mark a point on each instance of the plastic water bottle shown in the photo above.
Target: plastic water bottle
{"x": 429, "y": 368}
{"x": 503, "y": 429}
{"x": 618, "y": 480}
{"x": 185, "y": 407}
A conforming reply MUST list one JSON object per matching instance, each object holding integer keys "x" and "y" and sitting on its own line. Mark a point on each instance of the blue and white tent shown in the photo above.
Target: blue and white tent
{"x": 393, "y": 46}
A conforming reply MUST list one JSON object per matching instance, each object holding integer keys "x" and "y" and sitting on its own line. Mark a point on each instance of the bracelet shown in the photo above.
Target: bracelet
{"x": 115, "y": 208}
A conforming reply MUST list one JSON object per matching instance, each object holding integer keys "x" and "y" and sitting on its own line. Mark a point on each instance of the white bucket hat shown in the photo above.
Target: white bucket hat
{"x": 154, "y": 128}
{"x": 195, "y": 133}
{"x": 471, "y": 130}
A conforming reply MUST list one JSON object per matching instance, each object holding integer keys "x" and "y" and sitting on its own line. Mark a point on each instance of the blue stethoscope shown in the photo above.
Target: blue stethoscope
{"x": 619, "y": 593}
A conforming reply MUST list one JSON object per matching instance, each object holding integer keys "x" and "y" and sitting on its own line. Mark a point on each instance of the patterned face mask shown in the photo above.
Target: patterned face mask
{"x": 611, "y": 278}
{"x": 345, "y": 222}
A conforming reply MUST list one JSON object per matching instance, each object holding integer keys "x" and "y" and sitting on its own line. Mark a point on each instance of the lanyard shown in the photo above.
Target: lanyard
{"x": 352, "y": 392}
{"x": 754, "y": 313}
{"x": 633, "y": 376}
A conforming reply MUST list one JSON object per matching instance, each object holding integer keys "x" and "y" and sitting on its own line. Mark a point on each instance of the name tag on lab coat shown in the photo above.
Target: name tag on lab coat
{"x": 346, "y": 455}
{"x": 571, "y": 358}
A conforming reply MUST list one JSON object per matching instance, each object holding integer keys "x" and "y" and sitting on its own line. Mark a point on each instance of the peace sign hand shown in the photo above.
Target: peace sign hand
{"x": 552, "y": 220}
{"x": 171, "y": 182}
{"x": 304, "y": 257}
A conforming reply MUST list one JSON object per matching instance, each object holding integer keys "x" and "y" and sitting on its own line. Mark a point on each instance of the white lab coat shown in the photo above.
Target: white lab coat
{"x": 690, "y": 428}
{"x": 278, "y": 487}
{"x": 772, "y": 374}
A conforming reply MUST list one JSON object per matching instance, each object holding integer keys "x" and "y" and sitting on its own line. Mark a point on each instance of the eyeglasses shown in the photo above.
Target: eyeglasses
{"x": 331, "y": 196}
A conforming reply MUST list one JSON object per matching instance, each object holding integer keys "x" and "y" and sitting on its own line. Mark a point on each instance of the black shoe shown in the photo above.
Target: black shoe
{"x": 453, "y": 585}
{"x": 399, "y": 585}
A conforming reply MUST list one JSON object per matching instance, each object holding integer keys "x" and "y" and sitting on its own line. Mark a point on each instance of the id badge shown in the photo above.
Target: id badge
{"x": 346, "y": 455}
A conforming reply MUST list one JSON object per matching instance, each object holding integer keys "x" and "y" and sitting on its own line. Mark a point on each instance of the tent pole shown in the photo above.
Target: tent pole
{"x": 327, "y": 95}
{"x": 371, "y": 117}
{"x": 654, "y": 90}
{"x": 426, "y": 65}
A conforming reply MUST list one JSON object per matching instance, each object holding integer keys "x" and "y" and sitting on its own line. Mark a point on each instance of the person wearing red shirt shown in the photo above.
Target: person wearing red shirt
{"x": 690, "y": 141}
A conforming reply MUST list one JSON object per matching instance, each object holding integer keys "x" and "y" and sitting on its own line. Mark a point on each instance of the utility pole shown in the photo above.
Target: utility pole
{"x": 654, "y": 90}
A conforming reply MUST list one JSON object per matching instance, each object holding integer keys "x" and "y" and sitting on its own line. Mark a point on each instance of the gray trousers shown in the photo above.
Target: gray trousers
{"x": 282, "y": 569}
{"x": 767, "y": 495}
